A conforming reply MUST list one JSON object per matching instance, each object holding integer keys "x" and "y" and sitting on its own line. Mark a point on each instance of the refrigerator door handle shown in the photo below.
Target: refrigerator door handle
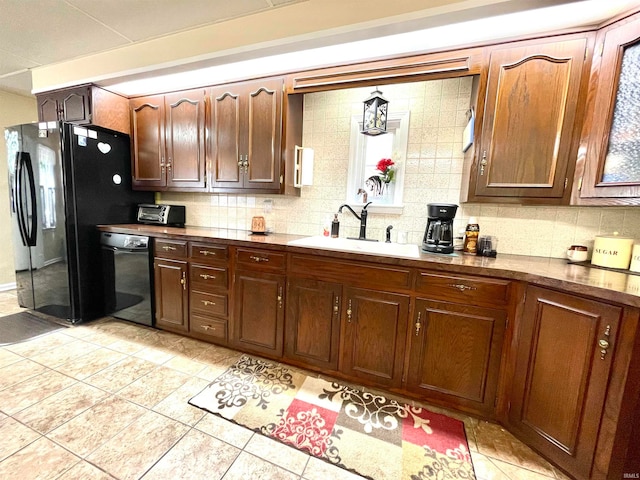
{"x": 18, "y": 199}
{"x": 33, "y": 233}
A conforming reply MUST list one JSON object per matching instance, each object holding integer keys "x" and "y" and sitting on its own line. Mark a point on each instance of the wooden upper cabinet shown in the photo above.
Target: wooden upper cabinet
{"x": 168, "y": 141}
{"x": 527, "y": 140}
{"x": 69, "y": 105}
{"x": 87, "y": 104}
{"x": 147, "y": 138}
{"x": 264, "y": 133}
{"x": 246, "y": 136}
{"x": 611, "y": 135}
{"x": 185, "y": 139}
{"x": 226, "y": 162}
{"x": 565, "y": 350}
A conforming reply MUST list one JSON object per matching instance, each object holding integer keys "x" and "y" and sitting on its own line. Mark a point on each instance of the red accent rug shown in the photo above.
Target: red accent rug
{"x": 359, "y": 431}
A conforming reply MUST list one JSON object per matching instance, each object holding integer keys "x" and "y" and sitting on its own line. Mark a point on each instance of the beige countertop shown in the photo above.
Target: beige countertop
{"x": 602, "y": 284}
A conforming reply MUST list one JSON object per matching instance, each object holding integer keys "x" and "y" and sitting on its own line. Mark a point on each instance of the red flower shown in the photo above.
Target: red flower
{"x": 384, "y": 165}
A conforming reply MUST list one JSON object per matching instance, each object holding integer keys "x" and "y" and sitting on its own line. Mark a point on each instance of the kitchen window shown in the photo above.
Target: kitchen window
{"x": 365, "y": 153}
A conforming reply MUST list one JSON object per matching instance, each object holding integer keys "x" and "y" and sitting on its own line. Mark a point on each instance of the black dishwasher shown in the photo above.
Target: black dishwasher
{"x": 126, "y": 263}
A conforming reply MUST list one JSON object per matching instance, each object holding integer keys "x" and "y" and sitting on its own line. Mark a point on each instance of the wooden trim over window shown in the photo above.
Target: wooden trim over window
{"x": 450, "y": 64}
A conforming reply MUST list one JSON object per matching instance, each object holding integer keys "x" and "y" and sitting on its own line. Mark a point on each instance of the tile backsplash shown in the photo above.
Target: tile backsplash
{"x": 433, "y": 173}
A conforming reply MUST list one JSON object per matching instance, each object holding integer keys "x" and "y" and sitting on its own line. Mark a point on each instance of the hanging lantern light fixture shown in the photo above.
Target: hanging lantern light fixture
{"x": 374, "y": 121}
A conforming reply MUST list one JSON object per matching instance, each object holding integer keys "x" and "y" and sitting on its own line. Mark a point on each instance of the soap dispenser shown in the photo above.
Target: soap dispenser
{"x": 335, "y": 226}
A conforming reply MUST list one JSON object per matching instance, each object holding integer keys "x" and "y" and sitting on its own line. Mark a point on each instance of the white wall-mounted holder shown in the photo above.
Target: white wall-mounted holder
{"x": 303, "y": 167}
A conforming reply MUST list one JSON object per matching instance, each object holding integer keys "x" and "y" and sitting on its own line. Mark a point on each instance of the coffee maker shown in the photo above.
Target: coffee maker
{"x": 438, "y": 236}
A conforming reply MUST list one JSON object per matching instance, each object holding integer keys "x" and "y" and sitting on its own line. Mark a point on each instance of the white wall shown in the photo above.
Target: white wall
{"x": 14, "y": 110}
{"x": 433, "y": 174}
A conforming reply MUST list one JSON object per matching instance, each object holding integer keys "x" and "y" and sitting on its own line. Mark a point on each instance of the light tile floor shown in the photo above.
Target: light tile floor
{"x": 109, "y": 399}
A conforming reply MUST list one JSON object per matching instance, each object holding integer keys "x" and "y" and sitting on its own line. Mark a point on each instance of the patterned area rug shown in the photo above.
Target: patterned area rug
{"x": 359, "y": 431}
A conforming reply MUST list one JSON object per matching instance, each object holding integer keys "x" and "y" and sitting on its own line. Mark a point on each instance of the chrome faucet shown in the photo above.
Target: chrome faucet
{"x": 363, "y": 221}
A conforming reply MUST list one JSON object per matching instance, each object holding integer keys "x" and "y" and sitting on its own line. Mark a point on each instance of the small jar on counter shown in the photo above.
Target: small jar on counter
{"x": 471, "y": 237}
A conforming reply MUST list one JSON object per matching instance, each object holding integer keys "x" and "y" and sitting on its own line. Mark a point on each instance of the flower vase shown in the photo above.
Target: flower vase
{"x": 387, "y": 193}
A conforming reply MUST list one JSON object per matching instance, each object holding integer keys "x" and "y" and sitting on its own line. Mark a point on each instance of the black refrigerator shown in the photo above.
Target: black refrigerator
{"x": 65, "y": 179}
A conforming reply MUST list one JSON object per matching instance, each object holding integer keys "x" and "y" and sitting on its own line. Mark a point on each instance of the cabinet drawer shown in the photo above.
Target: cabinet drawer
{"x": 204, "y": 252}
{"x": 202, "y": 277}
{"x": 212, "y": 327}
{"x": 262, "y": 259}
{"x": 461, "y": 288}
{"x": 208, "y": 303}
{"x": 170, "y": 248}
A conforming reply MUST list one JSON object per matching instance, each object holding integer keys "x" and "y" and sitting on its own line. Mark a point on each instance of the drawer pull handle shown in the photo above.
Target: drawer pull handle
{"x": 208, "y": 327}
{"x": 462, "y": 287}
{"x": 258, "y": 259}
{"x": 336, "y": 305}
{"x": 418, "y": 324}
{"x": 183, "y": 280}
{"x": 280, "y": 297}
{"x": 207, "y": 303}
{"x": 207, "y": 277}
{"x": 604, "y": 344}
{"x": 207, "y": 252}
{"x": 349, "y": 312}
{"x": 166, "y": 248}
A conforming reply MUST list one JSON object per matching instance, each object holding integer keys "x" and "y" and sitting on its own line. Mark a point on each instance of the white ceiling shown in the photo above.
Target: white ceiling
{"x": 41, "y": 32}
{"x": 34, "y": 33}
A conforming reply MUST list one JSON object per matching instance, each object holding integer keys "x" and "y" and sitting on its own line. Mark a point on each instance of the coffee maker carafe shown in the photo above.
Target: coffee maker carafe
{"x": 438, "y": 236}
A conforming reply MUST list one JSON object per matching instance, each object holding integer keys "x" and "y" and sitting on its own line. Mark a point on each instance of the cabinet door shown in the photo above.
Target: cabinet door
{"x": 48, "y": 110}
{"x": 313, "y": 322}
{"x": 147, "y": 128}
{"x": 259, "y": 312}
{"x": 470, "y": 339}
{"x": 528, "y": 126}
{"x": 612, "y": 161}
{"x": 565, "y": 350}
{"x": 226, "y": 117}
{"x": 171, "y": 295}
{"x": 69, "y": 105}
{"x": 185, "y": 138}
{"x": 264, "y": 133}
{"x": 75, "y": 105}
{"x": 374, "y": 326}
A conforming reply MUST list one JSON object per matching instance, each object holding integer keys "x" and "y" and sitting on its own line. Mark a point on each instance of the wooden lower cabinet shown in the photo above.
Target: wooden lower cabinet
{"x": 172, "y": 296}
{"x": 564, "y": 357}
{"x": 373, "y": 334}
{"x": 259, "y": 312}
{"x": 312, "y": 332}
{"x": 455, "y": 354}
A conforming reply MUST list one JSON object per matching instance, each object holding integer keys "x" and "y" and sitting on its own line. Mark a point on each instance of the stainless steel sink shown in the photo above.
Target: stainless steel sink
{"x": 358, "y": 246}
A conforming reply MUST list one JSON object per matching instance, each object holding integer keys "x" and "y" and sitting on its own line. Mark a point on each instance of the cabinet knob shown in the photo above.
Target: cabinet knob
{"x": 483, "y": 162}
{"x": 183, "y": 280}
{"x": 418, "y": 324}
{"x": 336, "y": 305}
{"x": 279, "y": 298}
{"x": 349, "y": 312}
{"x": 603, "y": 343}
